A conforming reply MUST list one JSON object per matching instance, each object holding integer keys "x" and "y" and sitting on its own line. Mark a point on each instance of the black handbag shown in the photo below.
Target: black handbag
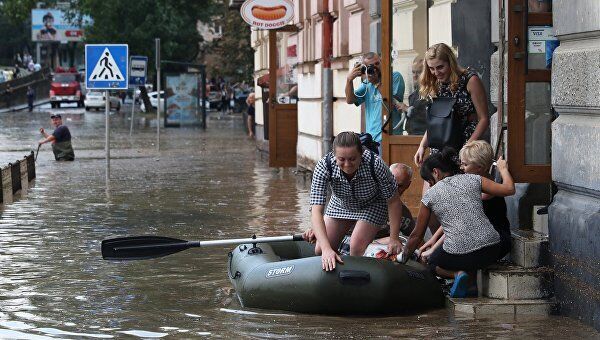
{"x": 444, "y": 128}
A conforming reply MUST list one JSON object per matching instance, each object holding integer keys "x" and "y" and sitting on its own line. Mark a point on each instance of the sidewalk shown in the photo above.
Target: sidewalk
{"x": 21, "y": 107}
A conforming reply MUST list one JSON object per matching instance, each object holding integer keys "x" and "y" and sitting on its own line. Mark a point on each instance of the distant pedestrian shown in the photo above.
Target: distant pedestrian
{"x": 30, "y": 97}
{"x": 224, "y": 99}
{"x": 16, "y": 72}
{"x": 8, "y": 95}
{"x": 60, "y": 139}
{"x": 250, "y": 101}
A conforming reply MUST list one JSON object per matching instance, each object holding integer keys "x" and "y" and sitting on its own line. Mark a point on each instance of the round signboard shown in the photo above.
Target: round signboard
{"x": 267, "y": 14}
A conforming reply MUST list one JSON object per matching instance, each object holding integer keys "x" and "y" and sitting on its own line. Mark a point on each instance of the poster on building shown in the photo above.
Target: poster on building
{"x": 52, "y": 25}
{"x": 182, "y": 104}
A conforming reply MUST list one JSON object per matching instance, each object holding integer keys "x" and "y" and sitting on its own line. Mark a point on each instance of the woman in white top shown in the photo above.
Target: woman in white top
{"x": 471, "y": 241}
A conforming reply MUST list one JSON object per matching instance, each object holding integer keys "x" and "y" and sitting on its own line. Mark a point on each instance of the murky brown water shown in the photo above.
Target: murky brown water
{"x": 203, "y": 185}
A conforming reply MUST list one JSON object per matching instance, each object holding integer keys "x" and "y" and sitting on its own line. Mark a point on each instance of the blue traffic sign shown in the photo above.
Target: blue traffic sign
{"x": 106, "y": 66}
{"x": 137, "y": 74}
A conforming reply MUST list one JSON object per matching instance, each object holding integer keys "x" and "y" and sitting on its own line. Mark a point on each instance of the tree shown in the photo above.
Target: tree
{"x": 233, "y": 53}
{"x": 138, "y": 23}
{"x": 15, "y": 27}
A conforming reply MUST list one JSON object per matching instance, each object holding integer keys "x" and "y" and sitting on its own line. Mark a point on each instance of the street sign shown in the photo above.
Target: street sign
{"x": 106, "y": 66}
{"x": 137, "y": 72}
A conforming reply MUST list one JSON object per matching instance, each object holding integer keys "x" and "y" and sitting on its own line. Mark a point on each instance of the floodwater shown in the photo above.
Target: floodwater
{"x": 202, "y": 185}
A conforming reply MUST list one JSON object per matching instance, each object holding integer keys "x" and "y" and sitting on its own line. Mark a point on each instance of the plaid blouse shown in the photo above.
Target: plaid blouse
{"x": 361, "y": 198}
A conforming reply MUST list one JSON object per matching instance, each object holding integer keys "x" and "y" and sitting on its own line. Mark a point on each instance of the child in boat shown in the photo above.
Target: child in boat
{"x": 471, "y": 241}
{"x": 363, "y": 195}
{"x": 476, "y": 157}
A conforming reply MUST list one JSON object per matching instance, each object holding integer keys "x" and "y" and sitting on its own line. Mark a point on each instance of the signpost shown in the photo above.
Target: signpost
{"x": 157, "y": 57}
{"x": 106, "y": 68}
{"x": 137, "y": 77}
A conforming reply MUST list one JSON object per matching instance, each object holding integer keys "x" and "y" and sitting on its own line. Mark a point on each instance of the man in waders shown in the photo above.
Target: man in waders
{"x": 60, "y": 138}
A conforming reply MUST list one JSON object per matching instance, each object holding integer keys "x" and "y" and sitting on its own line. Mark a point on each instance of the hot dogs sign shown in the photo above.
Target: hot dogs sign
{"x": 267, "y": 14}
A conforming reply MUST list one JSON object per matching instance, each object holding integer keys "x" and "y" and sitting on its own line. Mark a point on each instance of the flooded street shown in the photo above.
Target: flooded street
{"x": 202, "y": 185}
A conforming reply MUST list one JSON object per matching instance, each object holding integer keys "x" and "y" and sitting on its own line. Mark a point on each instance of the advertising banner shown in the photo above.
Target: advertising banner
{"x": 267, "y": 14}
{"x": 182, "y": 104}
{"x": 51, "y": 25}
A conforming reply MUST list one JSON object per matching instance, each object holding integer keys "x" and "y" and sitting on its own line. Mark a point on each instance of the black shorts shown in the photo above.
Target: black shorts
{"x": 472, "y": 261}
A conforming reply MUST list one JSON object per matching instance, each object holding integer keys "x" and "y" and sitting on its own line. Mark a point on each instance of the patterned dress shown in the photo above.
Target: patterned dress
{"x": 464, "y": 104}
{"x": 361, "y": 198}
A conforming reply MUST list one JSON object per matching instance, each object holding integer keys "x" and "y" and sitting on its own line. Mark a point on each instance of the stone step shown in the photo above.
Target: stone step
{"x": 488, "y": 306}
{"x": 511, "y": 282}
{"x": 529, "y": 249}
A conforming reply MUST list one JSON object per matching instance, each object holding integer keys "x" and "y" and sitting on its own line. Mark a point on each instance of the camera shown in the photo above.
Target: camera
{"x": 368, "y": 69}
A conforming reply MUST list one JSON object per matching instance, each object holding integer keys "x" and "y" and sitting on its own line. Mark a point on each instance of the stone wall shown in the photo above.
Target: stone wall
{"x": 574, "y": 215}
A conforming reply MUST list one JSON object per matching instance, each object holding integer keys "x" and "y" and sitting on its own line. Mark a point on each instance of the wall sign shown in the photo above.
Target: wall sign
{"x": 267, "y": 14}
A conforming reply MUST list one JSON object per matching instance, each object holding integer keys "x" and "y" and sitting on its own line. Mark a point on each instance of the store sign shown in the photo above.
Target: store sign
{"x": 267, "y": 14}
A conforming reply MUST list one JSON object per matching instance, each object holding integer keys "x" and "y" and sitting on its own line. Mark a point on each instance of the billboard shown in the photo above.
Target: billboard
{"x": 52, "y": 25}
{"x": 182, "y": 104}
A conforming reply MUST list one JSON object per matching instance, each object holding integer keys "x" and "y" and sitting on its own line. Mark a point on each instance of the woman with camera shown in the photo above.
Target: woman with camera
{"x": 443, "y": 77}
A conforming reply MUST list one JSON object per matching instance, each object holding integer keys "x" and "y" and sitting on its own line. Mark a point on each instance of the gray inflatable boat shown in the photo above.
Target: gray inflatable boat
{"x": 288, "y": 276}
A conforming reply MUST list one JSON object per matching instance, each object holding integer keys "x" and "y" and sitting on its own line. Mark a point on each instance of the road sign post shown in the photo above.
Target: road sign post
{"x": 137, "y": 77}
{"x": 157, "y": 57}
{"x": 106, "y": 68}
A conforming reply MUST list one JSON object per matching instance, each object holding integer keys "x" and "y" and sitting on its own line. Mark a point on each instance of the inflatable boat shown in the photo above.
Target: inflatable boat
{"x": 288, "y": 276}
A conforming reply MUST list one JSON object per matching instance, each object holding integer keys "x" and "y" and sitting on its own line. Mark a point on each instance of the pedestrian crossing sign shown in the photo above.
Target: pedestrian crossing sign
{"x": 106, "y": 66}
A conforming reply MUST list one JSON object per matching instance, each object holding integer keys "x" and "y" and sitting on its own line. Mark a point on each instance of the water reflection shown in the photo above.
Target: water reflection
{"x": 203, "y": 185}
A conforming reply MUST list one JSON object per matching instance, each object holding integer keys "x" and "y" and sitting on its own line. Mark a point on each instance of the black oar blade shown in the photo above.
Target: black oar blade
{"x": 142, "y": 247}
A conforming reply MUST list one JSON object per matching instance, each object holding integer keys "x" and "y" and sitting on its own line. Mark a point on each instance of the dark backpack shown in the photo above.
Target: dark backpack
{"x": 367, "y": 141}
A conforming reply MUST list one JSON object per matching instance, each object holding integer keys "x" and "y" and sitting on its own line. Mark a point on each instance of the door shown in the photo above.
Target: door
{"x": 283, "y": 97}
{"x": 531, "y": 43}
{"x": 404, "y": 42}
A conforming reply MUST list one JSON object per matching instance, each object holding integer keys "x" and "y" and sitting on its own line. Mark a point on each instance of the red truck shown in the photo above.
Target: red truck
{"x": 66, "y": 88}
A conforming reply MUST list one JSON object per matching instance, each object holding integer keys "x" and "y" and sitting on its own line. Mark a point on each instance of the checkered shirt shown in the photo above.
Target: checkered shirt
{"x": 361, "y": 198}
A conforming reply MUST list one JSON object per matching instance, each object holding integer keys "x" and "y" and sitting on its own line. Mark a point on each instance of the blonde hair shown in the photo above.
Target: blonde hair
{"x": 428, "y": 83}
{"x": 478, "y": 152}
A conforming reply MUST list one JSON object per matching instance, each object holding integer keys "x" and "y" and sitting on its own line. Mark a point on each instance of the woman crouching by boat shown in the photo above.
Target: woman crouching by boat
{"x": 363, "y": 196}
{"x": 471, "y": 241}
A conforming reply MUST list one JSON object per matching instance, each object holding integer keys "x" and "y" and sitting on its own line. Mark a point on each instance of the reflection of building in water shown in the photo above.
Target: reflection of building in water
{"x": 279, "y": 203}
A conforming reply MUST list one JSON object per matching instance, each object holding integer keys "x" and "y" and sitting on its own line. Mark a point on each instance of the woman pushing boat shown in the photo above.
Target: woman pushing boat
{"x": 471, "y": 241}
{"x": 363, "y": 195}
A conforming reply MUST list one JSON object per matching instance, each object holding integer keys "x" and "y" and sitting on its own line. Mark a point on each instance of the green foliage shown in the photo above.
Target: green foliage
{"x": 233, "y": 52}
{"x": 19, "y": 11}
{"x": 139, "y": 22}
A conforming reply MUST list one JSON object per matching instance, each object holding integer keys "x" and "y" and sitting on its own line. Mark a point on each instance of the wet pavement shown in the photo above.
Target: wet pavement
{"x": 202, "y": 185}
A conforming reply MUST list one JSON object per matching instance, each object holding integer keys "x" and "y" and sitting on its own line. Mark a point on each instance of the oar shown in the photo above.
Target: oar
{"x": 36, "y": 153}
{"x": 148, "y": 247}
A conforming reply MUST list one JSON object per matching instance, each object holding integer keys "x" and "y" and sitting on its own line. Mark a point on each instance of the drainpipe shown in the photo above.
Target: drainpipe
{"x": 327, "y": 79}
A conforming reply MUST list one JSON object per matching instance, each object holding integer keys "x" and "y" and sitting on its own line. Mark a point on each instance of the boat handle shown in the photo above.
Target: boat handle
{"x": 354, "y": 277}
{"x": 237, "y": 274}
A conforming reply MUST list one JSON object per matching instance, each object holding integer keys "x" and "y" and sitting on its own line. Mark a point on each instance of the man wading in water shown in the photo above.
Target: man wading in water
{"x": 60, "y": 138}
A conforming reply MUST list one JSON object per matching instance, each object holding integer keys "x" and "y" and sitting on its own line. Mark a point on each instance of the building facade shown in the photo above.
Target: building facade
{"x": 560, "y": 119}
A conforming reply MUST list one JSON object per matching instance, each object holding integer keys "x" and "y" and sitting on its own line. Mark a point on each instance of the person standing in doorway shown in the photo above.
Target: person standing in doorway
{"x": 250, "y": 101}
{"x": 60, "y": 139}
{"x": 368, "y": 92}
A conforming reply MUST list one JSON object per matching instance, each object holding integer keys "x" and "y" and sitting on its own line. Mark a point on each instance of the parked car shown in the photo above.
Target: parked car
{"x": 154, "y": 100}
{"x": 214, "y": 96}
{"x": 97, "y": 100}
